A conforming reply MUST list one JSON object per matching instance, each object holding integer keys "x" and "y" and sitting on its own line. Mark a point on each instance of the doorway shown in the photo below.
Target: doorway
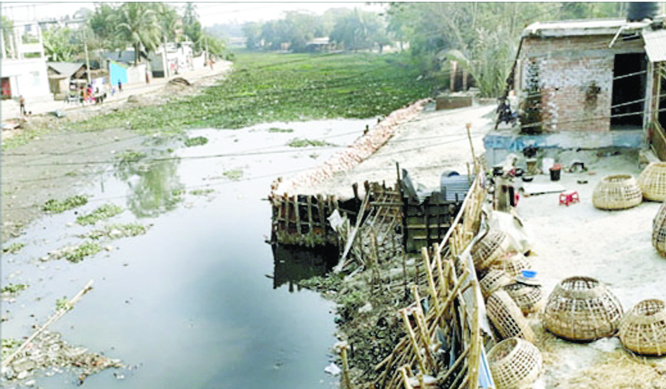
{"x": 627, "y": 106}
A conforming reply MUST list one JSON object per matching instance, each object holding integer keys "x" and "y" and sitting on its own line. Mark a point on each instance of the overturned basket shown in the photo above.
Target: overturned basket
{"x": 659, "y": 231}
{"x": 507, "y": 318}
{"x": 492, "y": 246}
{"x": 514, "y": 363}
{"x": 512, "y": 264}
{"x": 652, "y": 181}
{"x": 528, "y": 298}
{"x": 582, "y": 308}
{"x": 493, "y": 280}
{"x": 643, "y": 329}
{"x": 617, "y": 192}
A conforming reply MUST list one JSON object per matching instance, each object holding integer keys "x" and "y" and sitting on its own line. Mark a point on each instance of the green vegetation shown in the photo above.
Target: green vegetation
{"x": 13, "y": 248}
{"x": 333, "y": 282}
{"x": 81, "y": 251}
{"x": 8, "y": 346}
{"x": 296, "y": 142}
{"x": 202, "y": 192}
{"x": 234, "y": 175}
{"x": 117, "y": 231}
{"x": 275, "y": 129}
{"x": 13, "y": 289}
{"x": 55, "y": 206}
{"x": 273, "y": 87}
{"x": 63, "y": 303}
{"x": 101, "y": 213}
{"x": 196, "y": 141}
{"x": 130, "y": 156}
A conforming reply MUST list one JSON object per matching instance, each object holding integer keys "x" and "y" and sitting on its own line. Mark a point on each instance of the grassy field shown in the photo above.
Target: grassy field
{"x": 266, "y": 87}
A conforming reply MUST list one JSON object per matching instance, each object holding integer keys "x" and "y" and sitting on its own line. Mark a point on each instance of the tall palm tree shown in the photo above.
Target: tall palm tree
{"x": 138, "y": 26}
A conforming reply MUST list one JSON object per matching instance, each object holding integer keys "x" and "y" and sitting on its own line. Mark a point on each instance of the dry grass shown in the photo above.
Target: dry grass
{"x": 622, "y": 370}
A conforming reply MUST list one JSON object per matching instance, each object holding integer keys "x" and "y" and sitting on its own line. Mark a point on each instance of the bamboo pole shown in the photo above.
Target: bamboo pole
{"x": 412, "y": 338}
{"x": 431, "y": 281}
{"x": 70, "y": 305}
{"x": 345, "y": 365}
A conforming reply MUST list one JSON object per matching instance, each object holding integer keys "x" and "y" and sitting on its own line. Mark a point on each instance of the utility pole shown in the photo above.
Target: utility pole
{"x": 85, "y": 48}
{"x": 206, "y": 43}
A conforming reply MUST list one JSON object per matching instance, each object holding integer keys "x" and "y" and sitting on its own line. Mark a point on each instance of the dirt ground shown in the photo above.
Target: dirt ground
{"x": 425, "y": 146}
{"x": 613, "y": 247}
{"x": 40, "y": 170}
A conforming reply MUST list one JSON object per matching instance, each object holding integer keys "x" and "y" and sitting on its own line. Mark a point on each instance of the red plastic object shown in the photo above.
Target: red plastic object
{"x": 569, "y": 197}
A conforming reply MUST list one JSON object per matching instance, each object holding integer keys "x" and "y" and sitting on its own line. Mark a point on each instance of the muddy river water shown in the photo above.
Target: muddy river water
{"x": 193, "y": 303}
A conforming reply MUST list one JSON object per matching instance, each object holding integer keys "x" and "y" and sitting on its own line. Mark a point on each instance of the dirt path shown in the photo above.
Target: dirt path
{"x": 47, "y": 167}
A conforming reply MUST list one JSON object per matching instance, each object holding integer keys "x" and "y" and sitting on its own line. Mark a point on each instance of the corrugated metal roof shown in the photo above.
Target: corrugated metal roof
{"x": 65, "y": 68}
{"x": 655, "y": 45}
{"x": 581, "y": 27}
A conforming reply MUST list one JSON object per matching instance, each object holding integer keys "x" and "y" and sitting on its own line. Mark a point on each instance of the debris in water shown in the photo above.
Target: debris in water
{"x": 332, "y": 369}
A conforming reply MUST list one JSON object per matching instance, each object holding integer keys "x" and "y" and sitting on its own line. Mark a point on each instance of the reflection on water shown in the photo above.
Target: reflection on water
{"x": 153, "y": 181}
{"x": 293, "y": 264}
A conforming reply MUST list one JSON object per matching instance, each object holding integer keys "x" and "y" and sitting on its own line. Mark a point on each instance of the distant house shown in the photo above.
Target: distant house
{"x": 319, "y": 45}
{"x": 61, "y": 75}
{"x": 23, "y": 63}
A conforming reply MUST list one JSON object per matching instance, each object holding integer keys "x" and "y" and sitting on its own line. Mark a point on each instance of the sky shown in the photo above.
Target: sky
{"x": 209, "y": 12}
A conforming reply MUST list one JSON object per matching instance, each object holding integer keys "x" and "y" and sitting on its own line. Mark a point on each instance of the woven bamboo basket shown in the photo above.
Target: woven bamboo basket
{"x": 652, "y": 181}
{"x": 512, "y": 264}
{"x": 491, "y": 247}
{"x": 507, "y": 317}
{"x": 659, "y": 231}
{"x": 643, "y": 329}
{"x": 514, "y": 363}
{"x": 582, "y": 308}
{"x": 617, "y": 192}
{"x": 493, "y": 280}
{"x": 528, "y": 298}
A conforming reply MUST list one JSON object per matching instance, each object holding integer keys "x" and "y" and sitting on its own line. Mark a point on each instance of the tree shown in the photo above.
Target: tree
{"x": 252, "y": 33}
{"x": 358, "y": 30}
{"x": 192, "y": 26}
{"x": 59, "y": 44}
{"x": 138, "y": 26}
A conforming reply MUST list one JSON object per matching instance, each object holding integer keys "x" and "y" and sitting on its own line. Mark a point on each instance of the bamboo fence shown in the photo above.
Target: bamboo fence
{"x": 455, "y": 301}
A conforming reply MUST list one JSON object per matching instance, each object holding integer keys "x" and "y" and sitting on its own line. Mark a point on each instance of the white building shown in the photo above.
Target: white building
{"x": 23, "y": 67}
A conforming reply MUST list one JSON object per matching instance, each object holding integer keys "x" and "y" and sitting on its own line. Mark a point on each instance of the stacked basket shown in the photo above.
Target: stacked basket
{"x": 514, "y": 363}
{"x": 492, "y": 246}
{"x": 652, "y": 181}
{"x": 659, "y": 230}
{"x": 617, "y": 192}
{"x": 507, "y": 318}
{"x": 643, "y": 329}
{"x": 581, "y": 308}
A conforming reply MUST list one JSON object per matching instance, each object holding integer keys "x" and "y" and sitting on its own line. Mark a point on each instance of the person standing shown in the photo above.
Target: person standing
{"x": 22, "y": 105}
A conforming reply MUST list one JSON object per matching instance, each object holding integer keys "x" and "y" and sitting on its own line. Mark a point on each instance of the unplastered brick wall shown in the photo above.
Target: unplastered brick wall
{"x": 576, "y": 93}
{"x": 575, "y": 79}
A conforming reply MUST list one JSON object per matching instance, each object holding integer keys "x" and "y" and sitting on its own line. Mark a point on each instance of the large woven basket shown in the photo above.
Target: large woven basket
{"x": 492, "y": 281}
{"x": 528, "y": 298}
{"x": 659, "y": 231}
{"x": 491, "y": 247}
{"x": 617, "y": 192}
{"x": 507, "y": 318}
{"x": 643, "y": 329}
{"x": 652, "y": 181}
{"x": 514, "y": 363}
{"x": 512, "y": 264}
{"x": 582, "y": 308}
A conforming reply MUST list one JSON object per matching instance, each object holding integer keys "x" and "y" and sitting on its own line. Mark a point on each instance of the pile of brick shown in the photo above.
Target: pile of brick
{"x": 361, "y": 149}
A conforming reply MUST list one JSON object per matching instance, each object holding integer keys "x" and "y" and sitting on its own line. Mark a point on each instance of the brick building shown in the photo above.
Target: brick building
{"x": 589, "y": 75}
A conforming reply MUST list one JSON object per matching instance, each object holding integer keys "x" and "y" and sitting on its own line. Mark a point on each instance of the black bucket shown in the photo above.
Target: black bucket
{"x": 555, "y": 174}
